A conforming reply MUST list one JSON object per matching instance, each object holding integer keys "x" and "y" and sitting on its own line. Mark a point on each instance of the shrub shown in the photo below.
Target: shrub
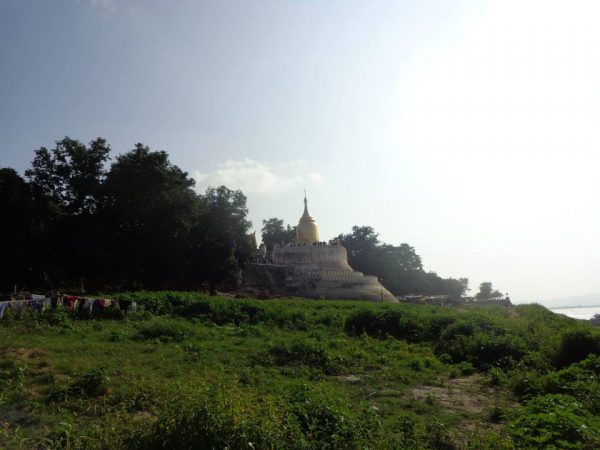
{"x": 388, "y": 322}
{"x": 90, "y": 384}
{"x": 488, "y": 351}
{"x": 466, "y": 368}
{"x": 229, "y": 419}
{"x": 495, "y": 376}
{"x": 525, "y": 385}
{"x": 57, "y": 317}
{"x": 222, "y": 419}
{"x": 308, "y": 352}
{"x": 438, "y": 437}
{"x": 496, "y": 414}
{"x": 576, "y": 345}
{"x": 404, "y": 430}
{"x": 165, "y": 331}
{"x": 326, "y": 423}
{"x": 579, "y": 380}
{"x": 116, "y": 336}
{"x": 555, "y": 421}
{"x": 482, "y": 349}
{"x": 364, "y": 322}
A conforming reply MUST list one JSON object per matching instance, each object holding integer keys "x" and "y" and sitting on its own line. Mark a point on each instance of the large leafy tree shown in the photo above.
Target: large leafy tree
{"x": 71, "y": 174}
{"x": 399, "y": 267}
{"x": 138, "y": 223}
{"x": 487, "y": 292}
{"x": 71, "y": 177}
{"x": 25, "y": 219}
{"x": 150, "y": 208}
{"x": 367, "y": 254}
{"x": 274, "y": 232}
{"x": 221, "y": 245}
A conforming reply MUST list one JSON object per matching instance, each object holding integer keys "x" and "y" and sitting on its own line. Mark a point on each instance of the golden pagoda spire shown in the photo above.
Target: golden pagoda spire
{"x": 307, "y": 231}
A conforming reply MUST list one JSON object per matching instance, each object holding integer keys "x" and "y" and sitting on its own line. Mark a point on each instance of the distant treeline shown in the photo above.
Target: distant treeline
{"x": 137, "y": 223}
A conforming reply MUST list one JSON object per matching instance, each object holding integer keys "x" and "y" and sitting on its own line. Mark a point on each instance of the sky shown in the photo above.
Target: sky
{"x": 467, "y": 129}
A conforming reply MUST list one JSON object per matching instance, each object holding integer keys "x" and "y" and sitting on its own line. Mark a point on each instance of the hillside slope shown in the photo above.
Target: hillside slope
{"x": 195, "y": 372}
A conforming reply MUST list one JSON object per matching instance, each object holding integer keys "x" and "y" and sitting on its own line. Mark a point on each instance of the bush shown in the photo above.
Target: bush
{"x": 483, "y": 349}
{"x": 580, "y": 380}
{"x": 495, "y": 376}
{"x": 229, "y": 419}
{"x": 308, "y": 352}
{"x": 525, "y": 385}
{"x": 57, "y": 317}
{"x": 576, "y": 345}
{"x": 116, "y": 336}
{"x": 438, "y": 437}
{"x": 220, "y": 420}
{"x": 90, "y": 384}
{"x": 496, "y": 414}
{"x": 328, "y": 424}
{"x": 555, "y": 421}
{"x": 400, "y": 324}
{"x": 165, "y": 331}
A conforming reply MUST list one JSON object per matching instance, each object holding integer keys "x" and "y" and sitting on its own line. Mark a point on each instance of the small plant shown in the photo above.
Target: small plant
{"x": 495, "y": 376}
{"x": 57, "y": 317}
{"x": 91, "y": 384}
{"x": 431, "y": 400}
{"x": 465, "y": 368}
{"x": 496, "y": 414}
{"x": 439, "y": 438}
{"x": 116, "y": 336}
{"x": 415, "y": 365}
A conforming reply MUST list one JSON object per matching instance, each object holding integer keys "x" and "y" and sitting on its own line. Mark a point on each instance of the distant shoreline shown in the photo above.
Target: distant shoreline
{"x": 573, "y": 307}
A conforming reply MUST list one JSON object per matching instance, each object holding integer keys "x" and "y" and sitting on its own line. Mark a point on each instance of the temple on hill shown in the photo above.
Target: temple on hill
{"x": 313, "y": 269}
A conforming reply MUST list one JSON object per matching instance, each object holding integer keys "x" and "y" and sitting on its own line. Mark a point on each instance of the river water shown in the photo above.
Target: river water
{"x": 584, "y": 312}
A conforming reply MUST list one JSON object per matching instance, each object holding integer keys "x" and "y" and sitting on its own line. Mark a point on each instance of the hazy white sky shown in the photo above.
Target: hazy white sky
{"x": 468, "y": 129}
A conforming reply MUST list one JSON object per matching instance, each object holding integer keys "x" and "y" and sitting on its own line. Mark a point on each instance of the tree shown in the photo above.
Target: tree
{"x": 363, "y": 248}
{"x": 25, "y": 218}
{"x": 71, "y": 177}
{"x": 220, "y": 244}
{"x": 486, "y": 292}
{"x": 71, "y": 174}
{"x": 399, "y": 268}
{"x": 273, "y": 232}
{"x": 137, "y": 224}
{"x": 151, "y": 208}
{"x": 453, "y": 288}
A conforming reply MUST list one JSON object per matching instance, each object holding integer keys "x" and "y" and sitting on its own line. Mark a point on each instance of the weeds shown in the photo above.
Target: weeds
{"x": 191, "y": 371}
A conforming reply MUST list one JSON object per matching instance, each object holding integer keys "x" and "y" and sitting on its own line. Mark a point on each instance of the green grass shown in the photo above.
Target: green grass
{"x": 190, "y": 371}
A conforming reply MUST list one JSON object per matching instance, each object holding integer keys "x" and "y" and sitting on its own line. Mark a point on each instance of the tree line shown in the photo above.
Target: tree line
{"x": 79, "y": 217}
{"x": 135, "y": 222}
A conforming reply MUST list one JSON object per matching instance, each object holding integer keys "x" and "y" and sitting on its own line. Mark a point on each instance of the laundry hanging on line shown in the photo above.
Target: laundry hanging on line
{"x": 73, "y": 303}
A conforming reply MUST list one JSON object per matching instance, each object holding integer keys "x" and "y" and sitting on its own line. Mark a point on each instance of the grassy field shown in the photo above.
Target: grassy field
{"x": 190, "y": 371}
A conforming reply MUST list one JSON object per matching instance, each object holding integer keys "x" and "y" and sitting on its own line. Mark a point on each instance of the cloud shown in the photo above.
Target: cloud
{"x": 256, "y": 177}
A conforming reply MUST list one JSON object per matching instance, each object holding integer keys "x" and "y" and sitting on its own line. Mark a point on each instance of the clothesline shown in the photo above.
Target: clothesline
{"x": 72, "y": 303}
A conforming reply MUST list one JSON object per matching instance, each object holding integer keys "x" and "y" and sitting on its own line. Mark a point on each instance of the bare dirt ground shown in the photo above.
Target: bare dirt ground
{"x": 465, "y": 394}
{"x": 470, "y": 396}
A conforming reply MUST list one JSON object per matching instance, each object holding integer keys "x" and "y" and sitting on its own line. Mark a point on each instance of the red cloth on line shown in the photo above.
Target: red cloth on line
{"x": 70, "y": 301}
